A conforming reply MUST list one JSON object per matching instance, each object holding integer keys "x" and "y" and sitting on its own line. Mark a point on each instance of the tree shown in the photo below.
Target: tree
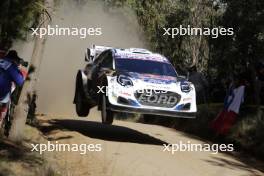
{"x": 243, "y": 51}
{"x": 16, "y": 18}
{"x": 21, "y": 110}
{"x": 184, "y": 51}
{"x": 246, "y": 47}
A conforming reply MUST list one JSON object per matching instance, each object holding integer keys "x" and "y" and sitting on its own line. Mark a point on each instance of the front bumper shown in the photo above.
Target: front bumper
{"x": 126, "y": 99}
{"x": 151, "y": 111}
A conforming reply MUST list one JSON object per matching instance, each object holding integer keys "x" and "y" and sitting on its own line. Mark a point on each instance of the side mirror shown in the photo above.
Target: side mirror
{"x": 88, "y": 55}
{"x": 182, "y": 78}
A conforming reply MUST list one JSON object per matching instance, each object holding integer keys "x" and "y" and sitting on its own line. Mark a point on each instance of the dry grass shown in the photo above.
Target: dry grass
{"x": 17, "y": 159}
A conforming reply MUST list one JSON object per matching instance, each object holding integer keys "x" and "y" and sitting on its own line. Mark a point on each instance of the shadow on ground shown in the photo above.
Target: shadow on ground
{"x": 100, "y": 131}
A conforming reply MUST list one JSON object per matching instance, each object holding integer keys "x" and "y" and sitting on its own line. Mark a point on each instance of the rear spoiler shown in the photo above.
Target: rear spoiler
{"x": 94, "y": 51}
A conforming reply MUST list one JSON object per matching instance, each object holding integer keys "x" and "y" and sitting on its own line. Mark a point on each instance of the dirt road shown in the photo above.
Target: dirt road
{"x": 135, "y": 149}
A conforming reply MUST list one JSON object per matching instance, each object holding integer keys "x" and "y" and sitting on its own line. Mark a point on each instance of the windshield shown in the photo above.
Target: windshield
{"x": 145, "y": 66}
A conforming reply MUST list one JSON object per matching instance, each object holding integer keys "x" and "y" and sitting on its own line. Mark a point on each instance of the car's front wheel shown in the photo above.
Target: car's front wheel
{"x": 106, "y": 114}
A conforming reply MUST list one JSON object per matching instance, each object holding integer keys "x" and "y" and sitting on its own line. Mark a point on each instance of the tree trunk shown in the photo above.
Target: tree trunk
{"x": 21, "y": 110}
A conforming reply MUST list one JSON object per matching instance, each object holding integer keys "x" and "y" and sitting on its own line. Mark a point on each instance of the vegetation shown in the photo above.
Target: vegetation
{"x": 217, "y": 58}
{"x": 28, "y": 89}
{"x": 248, "y": 132}
{"x": 18, "y": 159}
{"x": 16, "y": 18}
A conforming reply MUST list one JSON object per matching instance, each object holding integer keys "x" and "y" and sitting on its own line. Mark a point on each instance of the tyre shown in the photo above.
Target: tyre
{"x": 82, "y": 107}
{"x": 106, "y": 114}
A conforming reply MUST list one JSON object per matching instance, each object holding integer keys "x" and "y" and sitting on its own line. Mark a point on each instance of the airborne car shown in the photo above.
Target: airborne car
{"x": 132, "y": 80}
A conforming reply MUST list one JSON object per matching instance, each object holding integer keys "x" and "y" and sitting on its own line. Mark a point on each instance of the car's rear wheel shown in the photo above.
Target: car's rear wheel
{"x": 81, "y": 104}
{"x": 82, "y": 107}
{"x": 106, "y": 114}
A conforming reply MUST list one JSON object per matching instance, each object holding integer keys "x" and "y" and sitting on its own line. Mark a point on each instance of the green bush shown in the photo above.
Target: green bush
{"x": 248, "y": 132}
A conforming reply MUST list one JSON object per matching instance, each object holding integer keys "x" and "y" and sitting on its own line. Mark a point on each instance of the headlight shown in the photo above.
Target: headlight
{"x": 124, "y": 80}
{"x": 185, "y": 87}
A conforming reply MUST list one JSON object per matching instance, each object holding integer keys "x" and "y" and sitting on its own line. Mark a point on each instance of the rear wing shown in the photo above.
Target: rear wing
{"x": 94, "y": 51}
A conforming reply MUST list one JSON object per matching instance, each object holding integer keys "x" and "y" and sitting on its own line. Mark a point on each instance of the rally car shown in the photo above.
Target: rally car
{"x": 132, "y": 80}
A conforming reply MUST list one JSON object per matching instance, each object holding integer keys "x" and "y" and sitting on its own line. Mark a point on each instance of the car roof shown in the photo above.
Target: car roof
{"x": 138, "y": 53}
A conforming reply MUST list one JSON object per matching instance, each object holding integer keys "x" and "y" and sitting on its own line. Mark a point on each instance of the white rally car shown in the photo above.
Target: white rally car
{"x": 132, "y": 80}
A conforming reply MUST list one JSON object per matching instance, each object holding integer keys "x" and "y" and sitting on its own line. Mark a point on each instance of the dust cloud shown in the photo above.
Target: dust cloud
{"x": 64, "y": 55}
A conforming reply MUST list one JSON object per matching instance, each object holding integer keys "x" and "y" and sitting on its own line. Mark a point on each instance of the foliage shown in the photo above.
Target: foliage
{"x": 16, "y": 18}
{"x": 248, "y": 132}
{"x": 246, "y": 48}
{"x": 215, "y": 57}
{"x": 184, "y": 51}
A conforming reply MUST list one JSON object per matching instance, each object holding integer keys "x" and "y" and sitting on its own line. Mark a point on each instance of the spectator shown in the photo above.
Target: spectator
{"x": 9, "y": 74}
{"x": 200, "y": 84}
{"x": 2, "y": 52}
{"x": 234, "y": 98}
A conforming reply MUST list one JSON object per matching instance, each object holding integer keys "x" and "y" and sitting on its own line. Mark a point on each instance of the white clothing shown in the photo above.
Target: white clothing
{"x": 236, "y": 99}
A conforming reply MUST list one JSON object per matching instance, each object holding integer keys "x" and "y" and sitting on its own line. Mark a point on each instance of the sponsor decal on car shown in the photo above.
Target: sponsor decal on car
{"x": 155, "y": 79}
{"x": 149, "y": 57}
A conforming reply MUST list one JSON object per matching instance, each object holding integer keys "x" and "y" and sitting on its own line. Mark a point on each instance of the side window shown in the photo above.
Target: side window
{"x": 100, "y": 58}
{"x": 107, "y": 60}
